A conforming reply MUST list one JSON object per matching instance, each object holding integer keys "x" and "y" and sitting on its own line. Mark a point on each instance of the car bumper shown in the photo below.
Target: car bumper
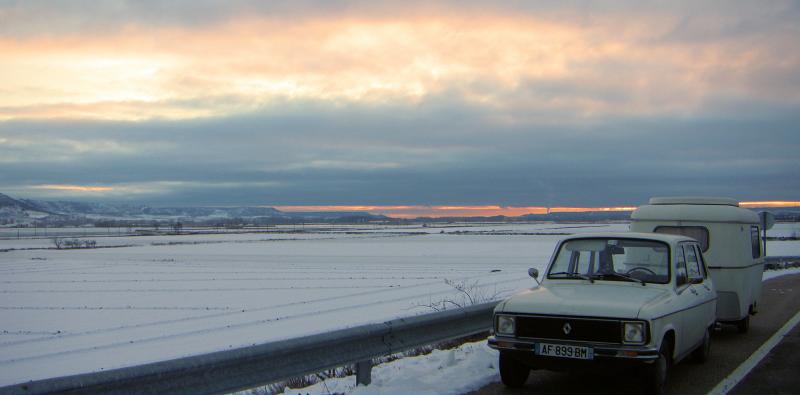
{"x": 525, "y": 348}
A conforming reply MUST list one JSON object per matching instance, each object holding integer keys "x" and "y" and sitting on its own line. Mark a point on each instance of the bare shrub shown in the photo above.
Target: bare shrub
{"x": 74, "y": 243}
{"x": 469, "y": 293}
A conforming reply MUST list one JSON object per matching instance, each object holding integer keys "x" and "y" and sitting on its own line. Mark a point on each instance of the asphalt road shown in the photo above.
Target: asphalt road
{"x": 779, "y": 302}
{"x": 777, "y": 372}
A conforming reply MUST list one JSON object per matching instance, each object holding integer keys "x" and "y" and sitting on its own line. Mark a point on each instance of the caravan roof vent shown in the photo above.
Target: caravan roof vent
{"x": 714, "y": 201}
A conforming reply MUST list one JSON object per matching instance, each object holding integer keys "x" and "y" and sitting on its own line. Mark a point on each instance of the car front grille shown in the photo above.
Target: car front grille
{"x": 570, "y": 328}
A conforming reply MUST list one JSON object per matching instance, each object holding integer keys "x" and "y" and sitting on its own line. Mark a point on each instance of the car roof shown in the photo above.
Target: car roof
{"x": 666, "y": 238}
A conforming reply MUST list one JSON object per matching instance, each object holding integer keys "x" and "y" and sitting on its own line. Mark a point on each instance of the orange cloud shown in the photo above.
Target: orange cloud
{"x": 451, "y": 211}
{"x": 76, "y": 188}
{"x": 771, "y": 203}
{"x": 493, "y": 60}
{"x": 488, "y": 211}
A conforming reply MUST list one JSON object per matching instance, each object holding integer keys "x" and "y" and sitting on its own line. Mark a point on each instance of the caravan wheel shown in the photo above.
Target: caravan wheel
{"x": 743, "y": 325}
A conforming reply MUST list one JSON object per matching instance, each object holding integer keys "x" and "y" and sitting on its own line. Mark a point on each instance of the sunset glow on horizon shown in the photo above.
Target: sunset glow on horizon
{"x": 486, "y": 211}
{"x": 76, "y": 188}
{"x": 771, "y": 203}
{"x": 450, "y": 211}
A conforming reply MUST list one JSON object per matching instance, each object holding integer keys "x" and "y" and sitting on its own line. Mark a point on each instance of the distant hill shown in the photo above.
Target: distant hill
{"x": 24, "y": 211}
{"x": 27, "y": 211}
{"x": 14, "y": 211}
{"x": 7, "y": 202}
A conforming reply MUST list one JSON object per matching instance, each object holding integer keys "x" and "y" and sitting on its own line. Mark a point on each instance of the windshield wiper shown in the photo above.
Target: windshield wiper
{"x": 620, "y": 275}
{"x": 572, "y": 275}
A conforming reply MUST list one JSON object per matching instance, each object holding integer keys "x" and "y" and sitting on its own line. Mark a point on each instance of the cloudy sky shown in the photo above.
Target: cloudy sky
{"x": 369, "y": 103}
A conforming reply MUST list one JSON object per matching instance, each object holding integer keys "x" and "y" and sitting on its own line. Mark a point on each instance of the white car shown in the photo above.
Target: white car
{"x": 640, "y": 299}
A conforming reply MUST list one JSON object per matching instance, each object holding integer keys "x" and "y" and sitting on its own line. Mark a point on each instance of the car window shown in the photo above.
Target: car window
{"x": 680, "y": 267}
{"x": 692, "y": 265}
{"x": 585, "y": 262}
{"x": 645, "y": 260}
{"x": 702, "y": 261}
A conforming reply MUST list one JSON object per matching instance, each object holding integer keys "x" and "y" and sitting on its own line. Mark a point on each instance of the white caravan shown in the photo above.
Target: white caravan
{"x": 729, "y": 237}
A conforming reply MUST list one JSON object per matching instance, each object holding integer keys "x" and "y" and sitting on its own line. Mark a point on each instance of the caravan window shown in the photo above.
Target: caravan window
{"x": 699, "y": 233}
{"x": 755, "y": 241}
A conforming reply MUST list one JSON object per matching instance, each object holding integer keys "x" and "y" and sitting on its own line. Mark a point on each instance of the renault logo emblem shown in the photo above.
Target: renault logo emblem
{"x": 567, "y": 328}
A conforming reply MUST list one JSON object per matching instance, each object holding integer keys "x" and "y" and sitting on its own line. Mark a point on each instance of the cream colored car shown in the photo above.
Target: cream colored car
{"x": 638, "y": 299}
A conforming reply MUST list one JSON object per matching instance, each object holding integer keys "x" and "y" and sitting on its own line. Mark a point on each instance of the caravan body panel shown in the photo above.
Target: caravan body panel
{"x": 732, "y": 247}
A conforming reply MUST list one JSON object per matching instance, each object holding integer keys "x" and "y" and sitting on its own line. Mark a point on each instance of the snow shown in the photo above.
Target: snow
{"x": 783, "y": 247}
{"x": 785, "y": 229}
{"x": 442, "y": 372}
{"x": 150, "y": 298}
{"x": 778, "y": 273}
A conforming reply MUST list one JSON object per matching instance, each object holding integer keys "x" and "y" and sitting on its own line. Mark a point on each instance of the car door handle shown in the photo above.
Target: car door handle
{"x": 694, "y": 291}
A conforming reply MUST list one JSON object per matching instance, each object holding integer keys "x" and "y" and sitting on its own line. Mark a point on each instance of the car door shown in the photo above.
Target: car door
{"x": 705, "y": 289}
{"x": 700, "y": 291}
{"x": 684, "y": 339}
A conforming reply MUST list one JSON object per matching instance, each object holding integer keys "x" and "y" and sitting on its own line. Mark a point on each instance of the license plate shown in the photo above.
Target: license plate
{"x": 564, "y": 351}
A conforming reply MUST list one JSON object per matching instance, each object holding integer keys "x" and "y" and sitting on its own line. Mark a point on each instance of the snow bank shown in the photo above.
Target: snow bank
{"x": 442, "y": 372}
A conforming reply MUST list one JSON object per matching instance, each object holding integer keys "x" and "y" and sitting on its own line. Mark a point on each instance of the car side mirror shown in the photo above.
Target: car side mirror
{"x": 534, "y": 272}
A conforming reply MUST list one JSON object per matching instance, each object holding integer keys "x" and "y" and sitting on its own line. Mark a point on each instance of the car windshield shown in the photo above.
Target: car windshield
{"x": 612, "y": 260}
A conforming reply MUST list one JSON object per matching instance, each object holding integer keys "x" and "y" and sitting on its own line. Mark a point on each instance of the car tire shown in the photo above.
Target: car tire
{"x": 657, "y": 373}
{"x": 700, "y": 355}
{"x": 743, "y": 325}
{"x": 513, "y": 373}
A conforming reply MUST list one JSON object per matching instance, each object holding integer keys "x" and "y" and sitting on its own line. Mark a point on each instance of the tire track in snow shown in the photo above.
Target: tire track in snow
{"x": 170, "y": 280}
{"x": 116, "y": 308}
{"x": 296, "y": 271}
{"x": 228, "y": 327}
{"x": 238, "y": 311}
{"x": 179, "y": 290}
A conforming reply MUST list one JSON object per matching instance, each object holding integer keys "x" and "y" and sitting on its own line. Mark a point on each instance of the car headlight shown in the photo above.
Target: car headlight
{"x": 505, "y": 325}
{"x": 633, "y": 332}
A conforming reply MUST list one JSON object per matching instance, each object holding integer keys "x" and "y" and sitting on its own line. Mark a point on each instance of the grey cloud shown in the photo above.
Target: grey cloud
{"x": 708, "y": 21}
{"x": 442, "y": 152}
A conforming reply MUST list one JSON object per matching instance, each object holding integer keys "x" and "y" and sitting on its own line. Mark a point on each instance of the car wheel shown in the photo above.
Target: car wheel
{"x": 656, "y": 374}
{"x": 512, "y": 372}
{"x": 700, "y": 355}
{"x": 743, "y": 325}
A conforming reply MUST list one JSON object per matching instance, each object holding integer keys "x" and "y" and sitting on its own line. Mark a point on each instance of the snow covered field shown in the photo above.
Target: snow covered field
{"x": 150, "y": 298}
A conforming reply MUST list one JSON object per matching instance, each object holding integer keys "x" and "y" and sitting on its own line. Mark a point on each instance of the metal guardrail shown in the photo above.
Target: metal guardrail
{"x": 249, "y": 367}
{"x": 781, "y": 262}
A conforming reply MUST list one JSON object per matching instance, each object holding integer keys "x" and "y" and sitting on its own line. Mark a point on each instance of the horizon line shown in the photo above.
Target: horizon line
{"x": 439, "y": 211}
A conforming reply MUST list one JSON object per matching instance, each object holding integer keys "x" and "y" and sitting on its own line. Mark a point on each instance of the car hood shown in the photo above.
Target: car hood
{"x": 617, "y": 300}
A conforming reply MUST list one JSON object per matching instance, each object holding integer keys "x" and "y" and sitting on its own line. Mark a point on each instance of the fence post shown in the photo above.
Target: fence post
{"x": 364, "y": 372}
